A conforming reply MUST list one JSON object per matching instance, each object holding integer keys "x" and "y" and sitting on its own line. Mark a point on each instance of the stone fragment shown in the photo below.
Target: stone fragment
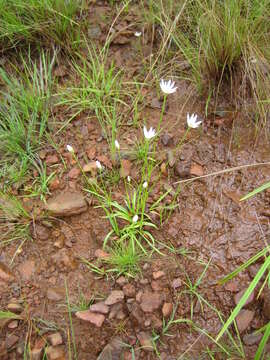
{"x": 99, "y": 307}
{"x": 55, "y": 339}
{"x": 243, "y": 319}
{"x": 55, "y": 352}
{"x": 167, "y": 309}
{"x": 129, "y": 290}
{"x": 115, "y": 297}
{"x": 67, "y": 204}
{"x": 145, "y": 340}
{"x": 239, "y": 295}
{"x": 158, "y": 274}
{"x": 151, "y": 301}
{"x": 92, "y": 317}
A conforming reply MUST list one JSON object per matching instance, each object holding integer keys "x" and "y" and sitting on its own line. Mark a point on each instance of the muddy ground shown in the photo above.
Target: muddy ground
{"x": 209, "y": 226}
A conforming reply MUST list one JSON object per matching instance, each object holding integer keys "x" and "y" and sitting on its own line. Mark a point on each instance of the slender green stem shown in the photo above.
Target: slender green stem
{"x": 162, "y": 112}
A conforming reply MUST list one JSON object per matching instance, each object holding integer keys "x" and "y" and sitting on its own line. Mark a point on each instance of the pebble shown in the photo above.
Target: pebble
{"x": 151, "y": 301}
{"x": 166, "y": 139}
{"x": 15, "y": 308}
{"x": 13, "y": 324}
{"x": 40, "y": 232}
{"x": 243, "y": 319}
{"x": 55, "y": 352}
{"x": 129, "y": 290}
{"x": 121, "y": 281}
{"x": 239, "y": 295}
{"x": 167, "y": 309}
{"x": 163, "y": 169}
{"x": 115, "y": 297}
{"x": 156, "y": 285}
{"x": 36, "y": 354}
{"x": 139, "y": 296}
{"x": 55, "y": 339}
{"x": 92, "y": 317}
{"x": 158, "y": 274}
{"x": 51, "y": 159}
{"x": 196, "y": 169}
{"x": 99, "y": 307}
{"x": 11, "y": 340}
{"x": 252, "y": 339}
{"x": 125, "y": 168}
{"x": 171, "y": 158}
{"x": 182, "y": 169}
{"x": 67, "y": 204}
{"x": 145, "y": 340}
{"x": 113, "y": 350}
{"x": 176, "y": 283}
{"x": 74, "y": 173}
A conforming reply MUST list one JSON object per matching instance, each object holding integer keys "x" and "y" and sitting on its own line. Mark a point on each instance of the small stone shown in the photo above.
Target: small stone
{"x": 36, "y": 354}
{"x": 15, "y": 308}
{"x": 115, "y": 297}
{"x": 166, "y": 139}
{"x": 52, "y": 159}
{"x": 5, "y": 273}
{"x": 239, "y": 295}
{"x": 167, "y": 309}
{"x": 113, "y": 350}
{"x": 163, "y": 169}
{"x": 176, "y": 283}
{"x": 243, "y": 319}
{"x": 121, "y": 281}
{"x": 196, "y": 170}
{"x": 145, "y": 340}
{"x": 40, "y": 232}
{"x": 232, "y": 286}
{"x": 90, "y": 167}
{"x": 125, "y": 168}
{"x": 144, "y": 281}
{"x": 92, "y": 317}
{"x": 54, "y": 184}
{"x": 158, "y": 274}
{"x": 56, "y": 293}
{"x": 171, "y": 158}
{"x": 100, "y": 254}
{"x": 139, "y": 296}
{"x": 55, "y": 339}
{"x": 99, "y": 307}
{"x": 67, "y": 204}
{"x": 252, "y": 339}
{"x": 74, "y": 173}
{"x": 156, "y": 285}
{"x": 55, "y": 352}
{"x": 151, "y": 301}
{"x": 129, "y": 290}
{"x": 13, "y": 324}
{"x": 115, "y": 309}
{"x": 182, "y": 169}
{"x": 91, "y": 153}
{"x": 11, "y": 340}
{"x": 27, "y": 269}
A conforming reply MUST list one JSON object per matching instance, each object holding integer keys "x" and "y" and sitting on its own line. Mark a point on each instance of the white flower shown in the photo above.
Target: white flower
{"x": 135, "y": 218}
{"x": 98, "y": 165}
{"x": 137, "y": 33}
{"x": 145, "y": 184}
{"x": 167, "y": 86}
{"x": 193, "y": 121}
{"x": 149, "y": 134}
{"x": 70, "y": 149}
{"x": 128, "y": 178}
{"x": 117, "y": 145}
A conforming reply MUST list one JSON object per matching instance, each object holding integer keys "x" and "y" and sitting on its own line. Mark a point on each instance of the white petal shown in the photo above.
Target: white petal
{"x": 70, "y": 148}
{"x": 98, "y": 164}
{"x": 117, "y": 145}
{"x": 135, "y": 218}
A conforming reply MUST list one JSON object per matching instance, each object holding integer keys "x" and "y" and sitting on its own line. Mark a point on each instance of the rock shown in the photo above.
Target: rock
{"x": 167, "y": 309}
{"x": 182, "y": 169}
{"x": 158, "y": 274}
{"x": 36, "y": 354}
{"x": 52, "y": 159}
{"x": 56, "y": 293}
{"x": 92, "y": 317}
{"x": 99, "y": 307}
{"x": 151, "y": 301}
{"x": 55, "y": 339}
{"x": 166, "y": 139}
{"x": 11, "y": 340}
{"x": 5, "y": 273}
{"x": 243, "y": 319}
{"x": 115, "y": 310}
{"x": 171, "y": 158}
{"x": 56, "y": 352}
{"x": 239, "y": 295}
{"x": 100, "y": 254}
{"x": 91, "y": 152}
{"x": 125, "y": 168}
{"x": 40, "y": 232}
{"x": 139, "y": 296}
{"x": 91, "y": 167}
{"x": 145, "y": 340}
{"x": 54, "y": 184}
{"x": 232, "y": 286}
{"x": 266, "y": 303}
{"x": 155, "y": 103}
{"x": 156, "y": 285}
{"x": 163, "y": 169}
{"x": 176, "y": 283}
{"x": 67, "y": 204}
{"x": 252, "y": 339}
{"x": 15, "y": 308}
{"x": 136, "y": 314}
{"x": 13, "y": 324}
{"x": 74, "y": 173}
{"x": 121, "y": 281}
{"x": 113, "y": 350}
{"x": 115, "y": 297}
{"x": 196, "y": 170}
{"x": 27, "y": 269}
{"x": 129, "y": 290}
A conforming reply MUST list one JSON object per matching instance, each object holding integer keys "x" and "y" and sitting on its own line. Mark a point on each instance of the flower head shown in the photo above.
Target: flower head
{"x": 98, "y": 165}
{"x": 128, "y": 178}
{"x": 137, "y": 33}
{"x": 193, "y": 121}
{"x": 135, "y": 218}
{"x": 145, "y": 184}
{"x": 117, "y": 145}
{"x": 70, "y": 149}
{"x": 168, "y": 87}
{"x": 149, "y": 134}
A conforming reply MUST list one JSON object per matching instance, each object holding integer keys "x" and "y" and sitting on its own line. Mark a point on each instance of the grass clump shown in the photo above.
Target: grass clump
{"x": 32, "y": 20}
